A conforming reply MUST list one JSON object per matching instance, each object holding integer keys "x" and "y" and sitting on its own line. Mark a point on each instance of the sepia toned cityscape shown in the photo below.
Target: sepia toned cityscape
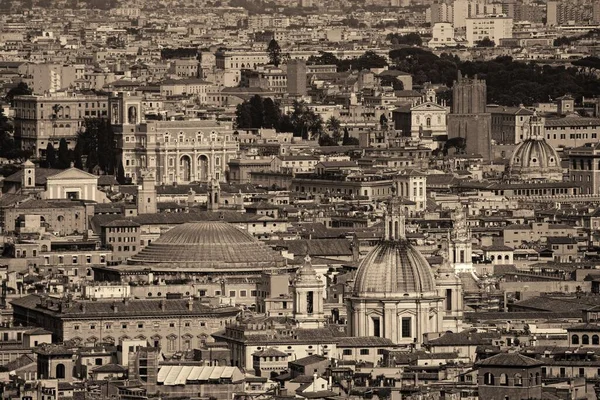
{"x": 300, "y": 199}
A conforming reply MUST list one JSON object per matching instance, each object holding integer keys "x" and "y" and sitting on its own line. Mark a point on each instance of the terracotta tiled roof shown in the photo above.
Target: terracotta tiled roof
{"x": 509, "y": 360}
{"x": 129, "y": 308}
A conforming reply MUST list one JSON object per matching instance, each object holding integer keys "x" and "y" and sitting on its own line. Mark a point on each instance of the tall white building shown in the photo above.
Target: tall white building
{"x": 440, "y": 12}
{"x": 494, "y": 27}
{"x": 442, "y": 35}
{"x": 464, "y": 9}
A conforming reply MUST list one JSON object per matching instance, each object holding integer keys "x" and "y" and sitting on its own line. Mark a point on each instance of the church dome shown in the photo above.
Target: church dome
{"x": 535, "y": 159}
{"x": 393, "y": 269}
{"x": 210, "y": 246}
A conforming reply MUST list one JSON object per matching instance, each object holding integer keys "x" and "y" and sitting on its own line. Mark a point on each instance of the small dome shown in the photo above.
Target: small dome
{"x": 534, "y": 158}
{"x": 210, "y": 246}
{"x": 393, "y": 269}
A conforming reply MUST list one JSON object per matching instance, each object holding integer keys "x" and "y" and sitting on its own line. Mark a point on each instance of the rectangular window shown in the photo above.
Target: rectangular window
{"x": 364, "y": 352}
{"x": 347, "y": 352}
{"x": 406, "y": 327}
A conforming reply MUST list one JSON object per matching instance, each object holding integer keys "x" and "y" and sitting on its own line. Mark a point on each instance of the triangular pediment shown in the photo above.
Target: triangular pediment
{"x": 72, "y": 173}
{"x": 427, "y": 106}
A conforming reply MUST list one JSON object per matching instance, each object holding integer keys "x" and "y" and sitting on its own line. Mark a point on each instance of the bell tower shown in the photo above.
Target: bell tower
{"x": 449, "y": 287}
{"x": 125, "y": 109}
{"x": 146, "y": 199}
{"x": 461, "y": 247}
{"x": 308, "y": 297}
{"x": 214, "y": 195}
{"x": 28, "y": 179}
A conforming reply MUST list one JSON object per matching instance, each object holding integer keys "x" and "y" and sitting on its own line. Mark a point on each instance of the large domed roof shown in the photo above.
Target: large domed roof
{"x": 535, "y": 159}
{"x": 210, "y": 246}
{"x": 393, "y": 269}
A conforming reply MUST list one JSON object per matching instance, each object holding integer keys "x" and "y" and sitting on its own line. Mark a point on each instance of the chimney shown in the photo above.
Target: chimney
{"x": 163, "y": 306}
{"x": 190, "y": 304}
{"x": 315, "y": 382}
{"x": 115, "y": 307}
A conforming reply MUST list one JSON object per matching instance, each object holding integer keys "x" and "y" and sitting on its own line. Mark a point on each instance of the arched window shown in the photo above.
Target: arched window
{"x": 488, "y": 378}
{"x": 503, "y": 379}
{"x": 60, "y": 371}
{"x": 595, "y": 339}
{"x": 428, "y": 122}
{"x": 585, "y": 339}
{"x": 518, "y": 380}
{"x": 574, "y": 339}
{"x": 506, "y": 257}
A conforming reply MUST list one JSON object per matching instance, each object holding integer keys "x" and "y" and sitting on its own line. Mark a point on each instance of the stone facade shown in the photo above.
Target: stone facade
{"x": 178, "y": 151}
{"x": 469, "y": 119}
{"x": 40, "y": 120}
{"x": 173, "y": 325}
{"x": 63, "y": 217}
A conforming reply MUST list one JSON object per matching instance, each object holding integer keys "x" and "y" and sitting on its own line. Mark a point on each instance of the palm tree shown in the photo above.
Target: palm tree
{"x": 307, "y": 123}
{"x": 334, "y": 126}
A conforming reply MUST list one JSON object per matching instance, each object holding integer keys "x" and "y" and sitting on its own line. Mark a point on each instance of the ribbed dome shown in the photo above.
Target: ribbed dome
{"x": 534, "y": 158}
{"x": 210, "y": 246}
{"x": 393, "y": 269}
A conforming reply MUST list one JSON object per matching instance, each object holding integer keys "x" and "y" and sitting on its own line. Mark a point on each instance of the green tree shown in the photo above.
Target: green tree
{"x": 7, "y": 143}
{"x": 50, "y": 156}
{"x": 368, "y": 60}
{"x": 272, "y": 114}
{"x": 257, "y": 111}
{"x": 64, "y": 158}
{"x": 457, "y": 143}
{"x": 20, "y": 90}
{"x": 78, "y": 157}
{"x": 562, "y": 41}
{"x": 326, "y": 140}
{"x": 121, "y": 174}
{"x": 307, "y": 124}
{"x": 243, "y": 116}
{"x": 324, "y": 58}
{"x": 588, "y": 65}
{"x": 388, "y": 80}
{"x": 485, "y": 42}
{"x": 410, "y": 39}
{"x": 97, "y": 142}
{"x": 334, "y": 126}
{"x": 274, "y": 52}
{"x": 349, "y": 140}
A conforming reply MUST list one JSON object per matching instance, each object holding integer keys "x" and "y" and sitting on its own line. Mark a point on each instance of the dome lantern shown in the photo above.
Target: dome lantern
{"x": 395, "y": 228}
